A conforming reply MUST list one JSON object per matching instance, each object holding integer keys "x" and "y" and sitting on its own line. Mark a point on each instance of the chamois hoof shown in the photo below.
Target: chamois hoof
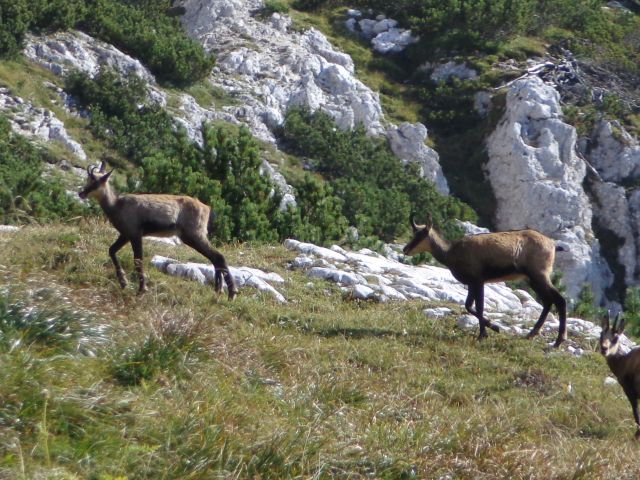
{"x": 493, "y": 327}
{"x": 482, "y": 336}
{"x": 531, "y": 335}
{"x": 637, "y": 436}
{"x": 232, "y": 294}
{"x": 558, "y": 342}
{"x": 142, "y": 291}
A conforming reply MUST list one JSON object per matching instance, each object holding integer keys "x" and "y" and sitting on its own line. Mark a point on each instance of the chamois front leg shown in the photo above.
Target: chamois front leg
{"x": 632, "y": 395}
{"x": 113, "y": 249}
{"x": 476, "y": 293}
{"x": 136, "y": 245}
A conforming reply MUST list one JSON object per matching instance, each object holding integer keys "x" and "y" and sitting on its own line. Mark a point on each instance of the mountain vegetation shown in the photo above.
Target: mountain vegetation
{"x": 98, "y": 383}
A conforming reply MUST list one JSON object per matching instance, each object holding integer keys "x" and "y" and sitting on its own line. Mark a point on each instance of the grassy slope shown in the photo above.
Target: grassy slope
{"x": 319, "y": 387}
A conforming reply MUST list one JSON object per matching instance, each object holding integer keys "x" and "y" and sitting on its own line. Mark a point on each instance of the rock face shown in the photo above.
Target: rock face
{"x": 615, "y": 153}
{"x": 37, "y": 123}
{"x": 64, "y": 52}
{"x": 267, "y": 70}
{"x": 537, "y": 179}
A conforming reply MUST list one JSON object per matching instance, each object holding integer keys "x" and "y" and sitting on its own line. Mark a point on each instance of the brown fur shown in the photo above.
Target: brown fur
{"x": 139, "y": 215}
{"x": 493, "y": 257}
{"x": 625, "y": 366}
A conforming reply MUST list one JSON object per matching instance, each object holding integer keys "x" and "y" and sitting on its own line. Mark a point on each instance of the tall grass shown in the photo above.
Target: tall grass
{"x": 322, "y": 387}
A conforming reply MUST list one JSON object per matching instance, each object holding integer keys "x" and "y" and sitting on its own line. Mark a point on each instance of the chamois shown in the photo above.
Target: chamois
{"x": 139, "y": 215}
{"x": 492, "y": 257}
{"x": 625, "y": 366}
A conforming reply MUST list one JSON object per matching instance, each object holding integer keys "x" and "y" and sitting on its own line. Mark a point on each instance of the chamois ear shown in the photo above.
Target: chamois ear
{"x": 103, "y": 166}
{"x": 105, "y": 178}
{"x": 618, "y": 324}
{"x": 429, "y": 221}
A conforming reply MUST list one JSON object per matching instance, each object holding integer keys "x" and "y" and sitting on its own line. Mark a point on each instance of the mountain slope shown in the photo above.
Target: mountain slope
{"x": 110, "y": 385}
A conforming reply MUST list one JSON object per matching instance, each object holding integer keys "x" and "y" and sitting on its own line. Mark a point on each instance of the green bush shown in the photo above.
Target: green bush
{"x": 25, "y": 195}
{"x": 274, "y": 6}
{"x": 144, "y": 30}
{"x": 378, "y": 193}
{"x": 586, "y": 307}
{"x": 225, "y": 172}
{"x": 15, "y": 18}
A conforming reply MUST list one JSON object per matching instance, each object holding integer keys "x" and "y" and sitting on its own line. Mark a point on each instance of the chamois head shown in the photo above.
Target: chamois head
{"x": 95, "y": 182}
{"x": 420, "y": 241}
{"x": 611, "y": 334}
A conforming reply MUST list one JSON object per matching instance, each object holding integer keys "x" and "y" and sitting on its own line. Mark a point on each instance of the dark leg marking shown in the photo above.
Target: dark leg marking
{"x": 136, "y": 245}
{"x": 113, "y": 249}
{"x": 202, "y": 246}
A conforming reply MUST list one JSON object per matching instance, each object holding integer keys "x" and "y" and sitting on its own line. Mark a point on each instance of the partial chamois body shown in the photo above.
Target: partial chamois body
{"x": 139, "y": 215}
{"x": 494, "y": 257}
{"x": 625, "y": 366}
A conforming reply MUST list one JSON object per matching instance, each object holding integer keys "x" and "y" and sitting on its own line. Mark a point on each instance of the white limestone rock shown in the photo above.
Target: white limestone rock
{"x": 362, "y": 292}
{"x": 407, "y": 142}
{"x": 205, "y": 274}
{"x": 37, "y": 123}
{"x": 438, "y": 312}
{"x": 63, "y": 52}
{"x": 613, "y": 212}
{"x": 616, "y": 154}
{"x": 468, "y": 322}
{"x": 537, "y": 180}
{"x": 278, "y": 69}
{"x": 441, "y": 72}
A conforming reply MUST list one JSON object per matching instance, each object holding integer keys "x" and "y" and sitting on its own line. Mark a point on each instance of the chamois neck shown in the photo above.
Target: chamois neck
{"x": 439, "y": 246}
{"x": 107, "y": 198}
{"x": 615, "y": 362}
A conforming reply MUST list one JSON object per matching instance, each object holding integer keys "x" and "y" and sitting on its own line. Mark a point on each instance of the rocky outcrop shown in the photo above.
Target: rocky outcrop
{"x": 269, "y": 69}
{"x": 537, "y": 178}
{"x": 383, "y": 33}
{"x": 614, "y": 153}
{"x": 407, "y": 142}
{"x": 613, "y": 213}
{"x": 37, "y": 123}
{"x": 65, "y": 52}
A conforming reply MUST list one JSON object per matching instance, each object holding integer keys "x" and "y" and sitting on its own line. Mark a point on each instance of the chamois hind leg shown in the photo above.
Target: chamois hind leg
{"x": 201, "y": 245}
{"x": 113, "y": 249}
{"x": 549, "y": 295}
{"x": 136, "y": 245}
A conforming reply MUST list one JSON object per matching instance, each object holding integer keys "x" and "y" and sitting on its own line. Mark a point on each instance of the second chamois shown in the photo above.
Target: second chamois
{"x": 493, "y": 257}
{"x": 138, "y": 215}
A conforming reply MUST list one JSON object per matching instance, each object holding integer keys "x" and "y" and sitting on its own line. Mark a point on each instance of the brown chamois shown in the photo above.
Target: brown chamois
{"x": 493, "y": 257}
{"x": 625, "y": 366}
{"x": 139, "y": 215}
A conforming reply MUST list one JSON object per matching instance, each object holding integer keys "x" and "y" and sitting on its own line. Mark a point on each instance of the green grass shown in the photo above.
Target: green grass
{"x": 321, "y": 387}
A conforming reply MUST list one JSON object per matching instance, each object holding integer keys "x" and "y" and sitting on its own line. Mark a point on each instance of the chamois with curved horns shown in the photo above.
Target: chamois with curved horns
{"x": 625, "y": 366}
{"x": 493, "y": 257}
{"x": 138, "y": 215}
